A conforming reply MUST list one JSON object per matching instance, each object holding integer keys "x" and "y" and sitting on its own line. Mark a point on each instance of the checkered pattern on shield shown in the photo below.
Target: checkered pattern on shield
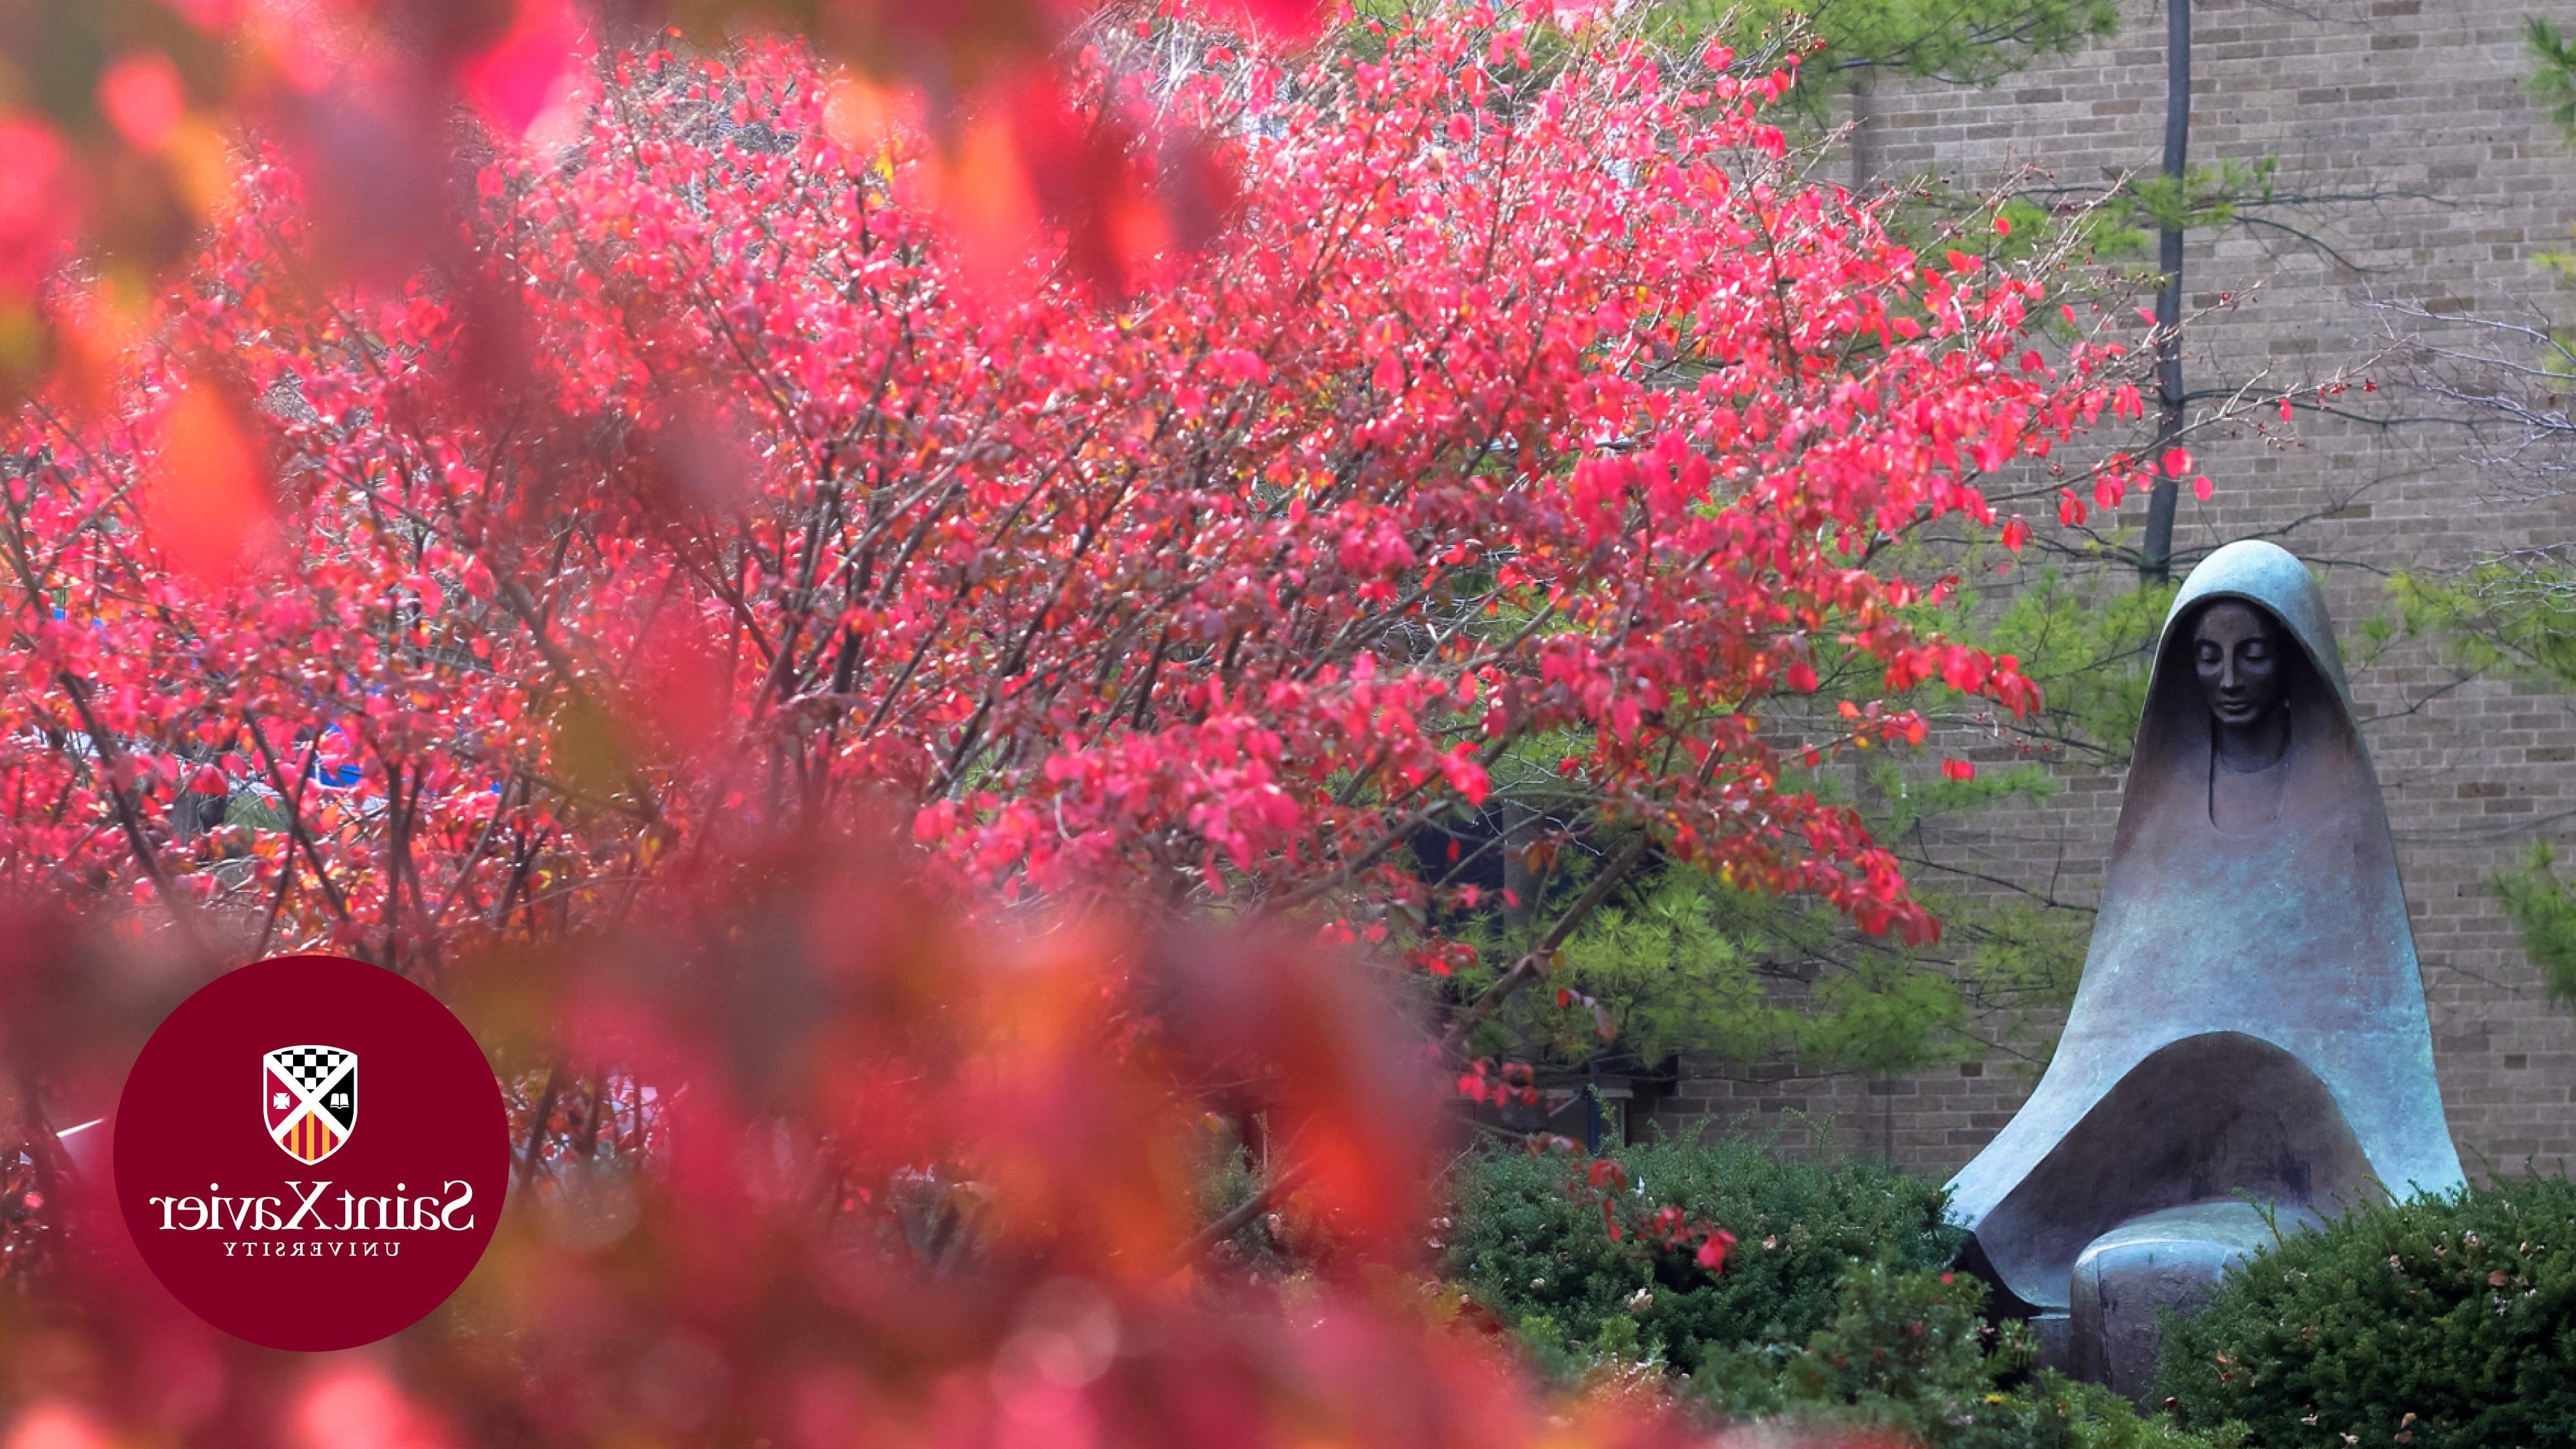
{"x": 310, "y": 1098}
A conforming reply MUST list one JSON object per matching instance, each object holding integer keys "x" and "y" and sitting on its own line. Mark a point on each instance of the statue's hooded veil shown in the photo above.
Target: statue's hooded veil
{"x": 2250, "y": 1019}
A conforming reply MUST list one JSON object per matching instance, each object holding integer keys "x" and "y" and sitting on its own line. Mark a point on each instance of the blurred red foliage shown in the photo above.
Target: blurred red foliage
{"x": 118, "y": 117}
{"x": 814, "y": 1163}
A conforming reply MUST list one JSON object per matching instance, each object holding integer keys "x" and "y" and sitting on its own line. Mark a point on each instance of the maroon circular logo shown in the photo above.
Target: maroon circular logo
{"x": 311, "y": 1152}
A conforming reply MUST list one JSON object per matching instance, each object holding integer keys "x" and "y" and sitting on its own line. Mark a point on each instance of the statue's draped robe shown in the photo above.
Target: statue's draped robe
{"x": 2250, "y": 1019}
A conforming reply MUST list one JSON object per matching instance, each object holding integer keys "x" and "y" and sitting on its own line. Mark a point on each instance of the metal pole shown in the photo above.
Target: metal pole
{"x": 2156, "y": 557}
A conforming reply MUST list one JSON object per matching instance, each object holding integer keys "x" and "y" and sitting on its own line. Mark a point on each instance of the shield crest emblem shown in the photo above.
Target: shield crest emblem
{"x": 309, "y": 1098}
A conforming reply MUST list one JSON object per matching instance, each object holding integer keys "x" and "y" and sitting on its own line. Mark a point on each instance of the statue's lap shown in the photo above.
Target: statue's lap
{"x": 2170, "y": 1259}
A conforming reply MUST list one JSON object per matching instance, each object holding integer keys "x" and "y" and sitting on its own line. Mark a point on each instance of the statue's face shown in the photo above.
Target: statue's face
{"x": 2238, "y": 650}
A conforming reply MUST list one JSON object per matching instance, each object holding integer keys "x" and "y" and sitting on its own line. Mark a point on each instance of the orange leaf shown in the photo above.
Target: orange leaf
{"x": 984, "y": 191}
{"x": 206, "y": 496}
{"x": 864, "y": 118}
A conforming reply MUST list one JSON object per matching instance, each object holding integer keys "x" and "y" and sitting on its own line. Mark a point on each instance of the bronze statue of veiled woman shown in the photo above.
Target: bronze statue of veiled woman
{"x": 2249, "y": 1039}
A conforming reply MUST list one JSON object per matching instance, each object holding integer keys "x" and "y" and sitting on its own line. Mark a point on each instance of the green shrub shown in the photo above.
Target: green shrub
{"x": 1835, "y": 1307}
{"x": 1527, "y": 1240}
{"x": 2438, "y": 1323}
{"x": 2056, "y": 1412}
{"x": 1904, "y": 1350}
{"x": 1908, "y": 1353}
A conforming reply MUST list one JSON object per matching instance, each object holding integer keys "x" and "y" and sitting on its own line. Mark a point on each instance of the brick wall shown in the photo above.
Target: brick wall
{"x": 2435, "y": 182}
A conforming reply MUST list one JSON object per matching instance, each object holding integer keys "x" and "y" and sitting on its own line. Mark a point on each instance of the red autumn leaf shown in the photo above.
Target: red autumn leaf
{"x": 1958, "y": 770}
{"x": 1280, "y": 19}
{"x": 2176, "y": 462}
{"x": 532, "y": 72}
{"x": 1966, "y": 670}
